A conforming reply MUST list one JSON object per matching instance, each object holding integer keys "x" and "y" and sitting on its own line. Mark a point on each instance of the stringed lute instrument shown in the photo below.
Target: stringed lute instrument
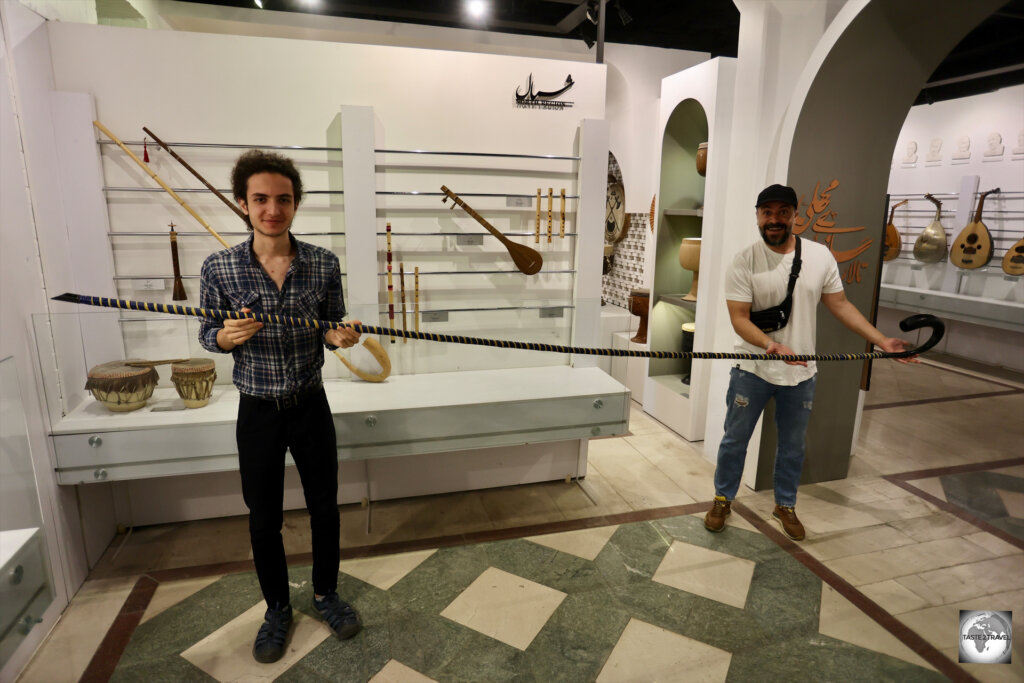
{"x": 1013, "y": 261}
{"x": 527, "y": 260}
{"x": 893, "y": 241}
{"x": 972, "y": 248}
{"x": 930, "y": 246}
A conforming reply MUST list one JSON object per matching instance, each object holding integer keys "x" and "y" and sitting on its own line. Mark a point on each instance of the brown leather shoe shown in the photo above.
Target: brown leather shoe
{"x": 715, "y": 519}
{"x": 786, "y": 516}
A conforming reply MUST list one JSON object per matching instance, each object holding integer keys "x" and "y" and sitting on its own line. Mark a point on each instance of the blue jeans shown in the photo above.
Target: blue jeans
{"x": 747, "y": 397}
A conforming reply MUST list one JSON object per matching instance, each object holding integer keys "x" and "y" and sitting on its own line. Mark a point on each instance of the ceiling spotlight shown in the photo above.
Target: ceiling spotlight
{"x": 593, "y": 11}
{"x": 476, "y": 8}
{"x": 258, "y": 3}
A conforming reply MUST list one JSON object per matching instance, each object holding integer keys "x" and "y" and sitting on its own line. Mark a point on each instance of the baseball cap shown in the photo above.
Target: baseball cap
{"x": 777, "y": 193}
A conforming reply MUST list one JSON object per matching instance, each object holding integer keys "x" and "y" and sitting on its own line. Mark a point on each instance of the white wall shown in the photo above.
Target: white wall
{"x": 634, "y": 72}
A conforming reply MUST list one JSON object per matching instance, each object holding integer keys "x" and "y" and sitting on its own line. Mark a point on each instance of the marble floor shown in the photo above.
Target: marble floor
{"x": 614, "y": 578}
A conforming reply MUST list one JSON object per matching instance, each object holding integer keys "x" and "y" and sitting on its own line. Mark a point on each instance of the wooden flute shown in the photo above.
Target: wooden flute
{"x": 391, "y": 287}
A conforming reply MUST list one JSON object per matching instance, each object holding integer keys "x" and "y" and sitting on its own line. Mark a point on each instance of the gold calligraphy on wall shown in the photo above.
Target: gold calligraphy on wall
{"x": 822, "y": 222}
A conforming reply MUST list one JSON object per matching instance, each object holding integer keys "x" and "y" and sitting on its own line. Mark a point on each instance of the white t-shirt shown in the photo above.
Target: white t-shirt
{"x": 760, "y": 276}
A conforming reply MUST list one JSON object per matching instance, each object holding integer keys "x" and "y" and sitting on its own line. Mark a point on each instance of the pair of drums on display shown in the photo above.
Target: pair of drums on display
{"x": 122, "y": 387}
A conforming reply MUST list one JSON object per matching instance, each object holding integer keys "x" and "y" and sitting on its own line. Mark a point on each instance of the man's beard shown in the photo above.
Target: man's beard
{"x": 776, "y": 241}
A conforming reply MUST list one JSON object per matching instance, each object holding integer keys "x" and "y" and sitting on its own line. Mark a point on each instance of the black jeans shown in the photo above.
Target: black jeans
{"x": 263, "y": 433}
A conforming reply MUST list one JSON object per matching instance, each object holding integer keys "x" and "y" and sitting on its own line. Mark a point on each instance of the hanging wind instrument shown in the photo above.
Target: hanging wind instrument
{"x": 178, "y": 291}
{"x": 550, "y": 197}
{"x": 231, "y": 205}
{"x": 416, "y": 300}
{"x": 561, "y": 217}
{"x": 1013, "y": 260}
{"x": 154, "y": 176}
{"x": 401, "y": 284}
{"x": 930, "y": 246}
{"x": 893, "y": 241}
{"x": 972, "y": 248}
{"x": 391, "y": 287}
{"x": 526, "y": 259}
{"x": 907, "y": 324}
{"x": 536, "y": 235}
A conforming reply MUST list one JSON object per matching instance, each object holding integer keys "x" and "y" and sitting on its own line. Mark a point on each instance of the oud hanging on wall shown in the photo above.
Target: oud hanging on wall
{"x": 930, "y": 246}
{"x": 972, "y": 248}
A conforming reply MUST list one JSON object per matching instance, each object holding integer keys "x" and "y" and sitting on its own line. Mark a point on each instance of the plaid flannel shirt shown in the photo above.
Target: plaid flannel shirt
{"x": 279, "y": 360}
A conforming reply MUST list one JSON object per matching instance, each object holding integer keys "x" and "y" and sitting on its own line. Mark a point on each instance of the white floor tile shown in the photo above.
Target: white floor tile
{"x": 505, "y": 607}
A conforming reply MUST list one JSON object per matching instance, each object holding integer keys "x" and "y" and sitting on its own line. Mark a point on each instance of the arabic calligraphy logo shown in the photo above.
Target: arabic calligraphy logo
{"x": 821, "y": 220}
{"x": 542, "y": 99}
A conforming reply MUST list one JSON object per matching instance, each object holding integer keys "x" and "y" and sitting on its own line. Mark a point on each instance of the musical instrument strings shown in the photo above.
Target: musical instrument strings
{"x": 178, "y": 290}
{"x": 391, "y": 287}
{"x": 401, "y": 284}
{"x": 162, "y": 184}
{"x": 231, "y": 205}
{"x": 913, "y": 322}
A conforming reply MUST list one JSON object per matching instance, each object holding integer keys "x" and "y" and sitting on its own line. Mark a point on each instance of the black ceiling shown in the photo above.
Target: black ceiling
{"x": 989, "y": 58}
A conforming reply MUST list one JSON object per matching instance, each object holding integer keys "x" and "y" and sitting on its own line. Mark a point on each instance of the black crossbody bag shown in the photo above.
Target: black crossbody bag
{"x": 776, "y": 317}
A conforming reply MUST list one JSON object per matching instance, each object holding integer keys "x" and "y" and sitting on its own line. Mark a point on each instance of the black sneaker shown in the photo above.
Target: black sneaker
{"x": 272, "y": 639}
{"x": 339, "y": 615}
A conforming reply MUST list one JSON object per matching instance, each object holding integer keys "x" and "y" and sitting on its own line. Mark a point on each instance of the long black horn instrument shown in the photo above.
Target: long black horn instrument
{"x": 912, "y": 323}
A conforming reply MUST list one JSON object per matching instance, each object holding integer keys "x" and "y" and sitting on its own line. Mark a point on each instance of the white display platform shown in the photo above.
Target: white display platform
{"x": 405, "y": 415}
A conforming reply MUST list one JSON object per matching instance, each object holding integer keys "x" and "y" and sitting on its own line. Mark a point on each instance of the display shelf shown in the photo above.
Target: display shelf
{"x": 1005, "y": 315}
{"x": 692, "y": 112}
{"x": 674, "y": 383}
{"x": 678, "y": 300}
{"x": 406, "y": 415}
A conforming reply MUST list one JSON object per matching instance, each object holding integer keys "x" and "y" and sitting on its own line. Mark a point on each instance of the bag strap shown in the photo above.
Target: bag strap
{"x": 794, "y": 271}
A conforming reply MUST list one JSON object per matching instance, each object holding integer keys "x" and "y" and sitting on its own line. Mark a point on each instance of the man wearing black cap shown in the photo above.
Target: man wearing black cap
{"x": 772, "y": 290}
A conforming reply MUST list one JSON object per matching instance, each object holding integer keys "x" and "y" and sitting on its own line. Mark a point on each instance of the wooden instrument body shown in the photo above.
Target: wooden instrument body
{"x": 930, "y": 246}
{"x": 527, "y": 260}
{"x": 193, "y": 380}
{"x": 972, "y": 248}
{"x": 893, "y": 241}
{"x": 1013, "y": 261}
{"x": 121, "y": 387}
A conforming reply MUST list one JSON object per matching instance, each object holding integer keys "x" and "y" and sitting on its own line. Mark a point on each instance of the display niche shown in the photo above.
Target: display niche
{"x": 673, "y": 301}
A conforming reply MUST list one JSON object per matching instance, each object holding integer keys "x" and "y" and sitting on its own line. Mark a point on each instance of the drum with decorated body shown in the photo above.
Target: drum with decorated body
{"x": 193, "y": 379}
{"x": 121, "y": 387}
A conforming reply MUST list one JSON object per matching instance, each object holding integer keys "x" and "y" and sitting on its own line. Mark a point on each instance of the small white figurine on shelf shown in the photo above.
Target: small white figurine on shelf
{"x": 995, "y": 145}
{"x": 963, "y": 147}
{"x": 911, "y": 155}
